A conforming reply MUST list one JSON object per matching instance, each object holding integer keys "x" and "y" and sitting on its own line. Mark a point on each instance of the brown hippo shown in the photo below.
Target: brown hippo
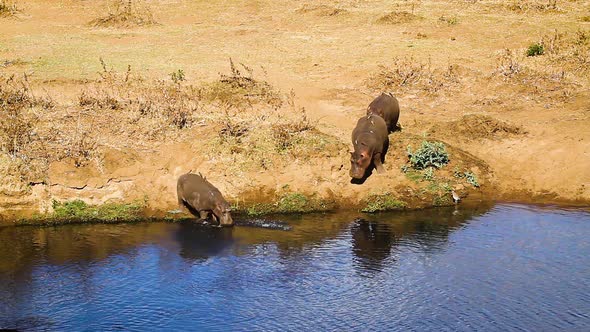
{"x": 370, "y": 142}
{"x": 196, "y": 194}
{"x": 387, "y": 107}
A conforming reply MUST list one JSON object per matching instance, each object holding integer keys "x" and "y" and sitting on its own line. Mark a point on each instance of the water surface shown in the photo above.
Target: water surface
{"x": 506, "y": 267}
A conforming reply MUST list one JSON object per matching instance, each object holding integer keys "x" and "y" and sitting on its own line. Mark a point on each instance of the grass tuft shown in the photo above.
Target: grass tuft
{"x": 397, "y": 17}
{"x": 240, "y": 89}
{"x": 291, "y": 202}
{"x": 382, "y": 202}
{"x": 126, "y": 13}
{"x": 409, "y": 73}
{"x": 8, "y": 8}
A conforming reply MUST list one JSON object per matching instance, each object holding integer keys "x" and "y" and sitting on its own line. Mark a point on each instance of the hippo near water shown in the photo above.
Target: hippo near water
{"x": 198, "y": 195}
{"x": 370, "y": 142}
{"x": 387, "y": 107}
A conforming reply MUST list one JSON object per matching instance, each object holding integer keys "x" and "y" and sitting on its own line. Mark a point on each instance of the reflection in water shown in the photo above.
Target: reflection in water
{"x": 371, "y": 243}
{"x": 199, "y": 242}
{"x": 509, "y": 268}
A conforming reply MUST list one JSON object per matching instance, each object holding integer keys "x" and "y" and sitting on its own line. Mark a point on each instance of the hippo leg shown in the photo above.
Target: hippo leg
{"x": 378, "y": 165}
{"x": 203, "y": 214}
{"x": 181, "y": 206}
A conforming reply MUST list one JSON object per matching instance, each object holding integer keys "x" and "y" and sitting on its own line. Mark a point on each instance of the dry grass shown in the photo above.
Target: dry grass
{"x": 568, "y": 50}
{"x": 321, "y": 10}
{"x": 241, "y": 89}
{"x": 126, "y": 13}
{"x": 169, "y": 103}
{"x": 397, "y": 17}
{"x": 475, "y": 126}
{"x": 411, "y": 74}
{"x": 8, "y": 8}
{"x": 524, "y": 6}
{"x": 266, "y": 138}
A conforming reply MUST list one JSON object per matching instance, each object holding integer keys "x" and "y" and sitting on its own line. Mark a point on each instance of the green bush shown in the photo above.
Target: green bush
{"x": 430, "y": 154}
{"x": 535, "y": 49}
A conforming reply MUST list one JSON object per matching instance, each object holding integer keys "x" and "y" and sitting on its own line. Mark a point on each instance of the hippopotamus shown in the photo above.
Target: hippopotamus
{"x": 197, "y": 194}
{"x": 387, "y": 107}
{"x": 370, "y": 142}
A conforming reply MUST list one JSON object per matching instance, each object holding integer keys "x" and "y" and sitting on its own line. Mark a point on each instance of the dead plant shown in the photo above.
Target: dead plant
{"x": 126, "y": 13}
{"x": 409, "y": 73}
{"x": 8, "y": 8}
{"x": 240, "y": 89}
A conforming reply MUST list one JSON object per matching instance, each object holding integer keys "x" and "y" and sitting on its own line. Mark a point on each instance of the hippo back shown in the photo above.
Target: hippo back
{"x": 387, "y": 107}
{"x": 190, "y": 185}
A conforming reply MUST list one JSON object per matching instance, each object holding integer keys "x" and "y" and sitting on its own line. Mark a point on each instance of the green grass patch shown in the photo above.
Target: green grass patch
{"x": 291, "y": 202}
{"x": 382, "y": 202}
{"x": 78, "y": 210}
{"x": 442, "y": 200}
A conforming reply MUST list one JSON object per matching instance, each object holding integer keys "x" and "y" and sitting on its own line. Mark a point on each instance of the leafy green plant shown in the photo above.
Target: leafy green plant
{"x": 177, "y": 76}
{"x": 535, "y": 49}
{"x": 430, "y": 154}
{"x": 382, "y": 202}
{"x": 471, "y": 178}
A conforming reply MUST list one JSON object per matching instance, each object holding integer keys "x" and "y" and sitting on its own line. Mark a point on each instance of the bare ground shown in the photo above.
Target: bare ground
{"x": 520, "y": 124}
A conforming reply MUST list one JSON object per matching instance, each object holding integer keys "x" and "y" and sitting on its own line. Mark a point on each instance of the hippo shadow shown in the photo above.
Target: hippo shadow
{"x": 200, "y": 242}
{"x": 371, "y": 167}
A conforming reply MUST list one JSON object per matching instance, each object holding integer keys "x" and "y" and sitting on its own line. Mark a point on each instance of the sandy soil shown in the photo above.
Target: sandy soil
{"x": 524, "y": 132}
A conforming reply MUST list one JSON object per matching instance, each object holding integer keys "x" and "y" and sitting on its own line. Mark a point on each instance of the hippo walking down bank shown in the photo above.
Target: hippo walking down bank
{"x": 370, "y": 142}
{"x": 387, "y": 107}
{"x": 197, "y": 194}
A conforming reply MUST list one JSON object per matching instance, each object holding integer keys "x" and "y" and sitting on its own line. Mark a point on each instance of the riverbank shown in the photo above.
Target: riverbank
{"x": 114, "y": 115}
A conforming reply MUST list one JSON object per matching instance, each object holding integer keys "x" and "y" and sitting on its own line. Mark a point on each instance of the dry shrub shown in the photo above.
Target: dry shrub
{"x": 126, "y": 13}
{"x": 286, "y": 134}
{"x": 8, "y": 8}
{"x": 321, "y": 10}
{"x": 397, "y": 17}
{"x": 474, "y": 126}
{"x": 408, "y": 73}
{"x": 508, "y": 64}
{"x": 240, "y": 89}
{"x": 267, "y": 139}
{"x": 22, "y": 146}
{"x": 570, "y": 50}
{"x": 548, "y": 82}
{"x": 524, "y": 6}
{"x": 17, "y": 116}
{"x": 170, "y": 103}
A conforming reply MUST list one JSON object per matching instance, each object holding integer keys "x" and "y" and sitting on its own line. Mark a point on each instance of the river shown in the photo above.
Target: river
{"x": 496, "y": 267}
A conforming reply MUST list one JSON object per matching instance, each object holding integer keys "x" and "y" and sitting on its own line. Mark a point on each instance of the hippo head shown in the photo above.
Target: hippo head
{"x": 223, "y": 214}
{"x": 359, "y": 162}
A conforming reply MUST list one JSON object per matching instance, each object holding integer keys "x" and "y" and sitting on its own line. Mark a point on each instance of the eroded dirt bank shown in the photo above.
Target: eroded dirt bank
{"x": 272, "y": 128}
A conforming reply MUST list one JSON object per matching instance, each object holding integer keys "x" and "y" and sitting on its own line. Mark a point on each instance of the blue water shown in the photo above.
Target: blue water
{"x": 491, "y": 268}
